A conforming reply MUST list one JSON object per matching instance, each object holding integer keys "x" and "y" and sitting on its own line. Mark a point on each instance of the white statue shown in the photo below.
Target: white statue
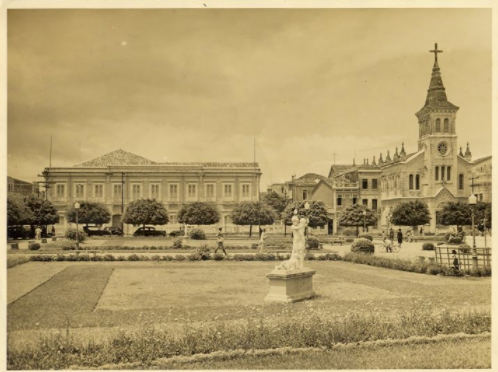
{"x": 296, "y": 260}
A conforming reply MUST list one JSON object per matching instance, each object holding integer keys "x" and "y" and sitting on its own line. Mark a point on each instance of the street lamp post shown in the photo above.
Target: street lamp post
{"x": 472, "y": 203}
{"x": 364, "y": 220}
{"x": 284, "y": 191}
{"x": 76, "y": 207}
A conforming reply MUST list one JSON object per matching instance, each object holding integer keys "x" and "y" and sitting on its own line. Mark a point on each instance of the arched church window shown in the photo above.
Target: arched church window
{"x": 410, "y": 182}
{"x": 436, "y": 173}
{"x": 460, "y": 182}
{"x": 438, "y": 125}
{"x": 442, "y": 173}
{"x": 417, "y": 182}
{"x": 448, "y": 173}
{"x": 446, "y": 125}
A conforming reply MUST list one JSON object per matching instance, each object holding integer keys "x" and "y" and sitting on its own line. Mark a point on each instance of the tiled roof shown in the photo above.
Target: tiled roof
{"x": 481, "y": 159}
{"x": 125, "y": 158}
{"x": 311, "y": 178}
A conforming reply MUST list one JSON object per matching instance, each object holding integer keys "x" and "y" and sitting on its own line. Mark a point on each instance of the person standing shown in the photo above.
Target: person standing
{"x": 400, "y": 237}
{"x": 38, "y": 232}
{"x": 391, "y": 235}
{"x": 262, "y": 241}
{"x": 53, "y": 230}
{"x": 221, "y": 239}
{"x": 409, "y": 235}
{"x": 421, "y": 230}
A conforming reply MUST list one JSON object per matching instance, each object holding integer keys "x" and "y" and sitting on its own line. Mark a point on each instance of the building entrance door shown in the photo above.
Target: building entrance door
{"x": 330, "y": 227}
{"x": 116, "y": 220}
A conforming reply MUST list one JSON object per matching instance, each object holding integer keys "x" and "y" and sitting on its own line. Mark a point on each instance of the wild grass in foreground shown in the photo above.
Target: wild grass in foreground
{"x": 455, "y": 354}
{"x": 149, "y": 343}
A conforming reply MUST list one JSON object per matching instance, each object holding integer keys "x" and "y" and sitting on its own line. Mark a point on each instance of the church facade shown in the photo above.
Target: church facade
{"x": 437, "y": 173}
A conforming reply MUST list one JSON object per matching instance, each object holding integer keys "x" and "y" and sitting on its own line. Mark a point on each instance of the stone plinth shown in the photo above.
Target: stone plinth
{"x": 290, "y": 285}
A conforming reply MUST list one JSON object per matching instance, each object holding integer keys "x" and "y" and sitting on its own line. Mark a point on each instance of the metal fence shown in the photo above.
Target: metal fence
{"x": 465, "y": 261}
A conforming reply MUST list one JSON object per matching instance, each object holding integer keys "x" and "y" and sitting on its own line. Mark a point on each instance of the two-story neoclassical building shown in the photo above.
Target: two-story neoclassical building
{"x": 119, "y": 177}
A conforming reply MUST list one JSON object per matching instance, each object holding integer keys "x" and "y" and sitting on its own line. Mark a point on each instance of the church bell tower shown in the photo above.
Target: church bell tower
{"x": 437, "y": 134}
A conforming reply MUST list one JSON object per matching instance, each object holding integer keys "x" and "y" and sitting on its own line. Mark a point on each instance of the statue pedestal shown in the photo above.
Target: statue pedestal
{"x": 290, "y": 285}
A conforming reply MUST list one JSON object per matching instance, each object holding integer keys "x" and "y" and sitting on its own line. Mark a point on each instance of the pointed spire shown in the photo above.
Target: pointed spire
{"x": 373, "y": 161}
{"x": 380, "y": 158}
{"x": 467, "y": 152}
{"x": 354, "y": 162}
{"x": 461, "y": 153}
{"x": 388, "y": 158}
{"x": 402, "y": 149}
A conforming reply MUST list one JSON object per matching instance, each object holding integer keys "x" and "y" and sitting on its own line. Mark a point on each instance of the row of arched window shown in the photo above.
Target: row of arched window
{"x": 446, "y": 125}
{"x": 411, "y": 184}
{"x": 442, "y": 172}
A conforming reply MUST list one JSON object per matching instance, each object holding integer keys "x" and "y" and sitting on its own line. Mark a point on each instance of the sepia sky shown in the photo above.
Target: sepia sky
{"x": 200, "y": 85}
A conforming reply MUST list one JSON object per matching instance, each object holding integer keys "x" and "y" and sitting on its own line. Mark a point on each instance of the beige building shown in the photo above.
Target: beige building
{"x": 19, "y": 188}
{"x": 119, "y": 177}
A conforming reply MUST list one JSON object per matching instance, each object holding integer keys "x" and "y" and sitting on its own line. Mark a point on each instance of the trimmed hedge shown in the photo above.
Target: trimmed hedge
{"x": 33, "y": 246}
{"x": 366, "y": 236}
{"x": 362, "y": 245}
{"x": 428, "y": 247}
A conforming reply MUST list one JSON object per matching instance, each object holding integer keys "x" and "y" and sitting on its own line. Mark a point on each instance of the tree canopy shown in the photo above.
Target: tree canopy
{"x": 353, "y": 216}
{"x": 317, "y": 213}
{"x": 275, "y": 200}
{"x": 253, "y": 213}
{"x": 482, "y": 211}
{"x": 43, "y": 212}
{"x": 146, "y": 212}
{"x": 411, "y": 213}
{"x": 90, "y": 212}
{"x": 17, "y": 212}
{"x": 198, "y": 214}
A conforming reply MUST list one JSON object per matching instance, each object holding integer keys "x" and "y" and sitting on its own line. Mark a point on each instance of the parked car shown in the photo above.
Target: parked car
{"x": 20, "y": 232}
{"x": 149, "y": 231}
{"x": 95, "y": 231}
{"x": 114, "y": 230}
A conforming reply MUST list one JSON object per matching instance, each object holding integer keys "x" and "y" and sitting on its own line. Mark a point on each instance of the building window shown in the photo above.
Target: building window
{"x": 410, "y": 182}
{"x": 436, "y": 169}
{"x": 79, "y": 190}
{"x": 365, "y": 202}
{"x": 154, "y": 191}
{"x": 374, "y": 183}
{"x": 417, "y": 182}
{"x": 227, "y": 190}
{"x": 438, "y": 125}
{"x": 339, "y": 199}
{"x": 364, "y": 184}
{"x": 210, "y": 190}
{"x": 460, "y": 182}
{"x": 136, "y": 191}
{"x": 246, "y": 190}
{"x": 442, "y": 172}
{"x": 191, "y": 190}
{"x": 116, "y": 190}
{"x": 374, "y": 205}
{"x": 354, "y": 200}
{"x": 98, "y": 190}
{"x": 480, "y": 197}
{"x": 448, "y": 173}
{"x": 173, "y": 191}
{"x": 446, "y": 126}
{"x": 60, "y": 191}
{"x": 305, "y": 194}
{"x": 173, "y": 219}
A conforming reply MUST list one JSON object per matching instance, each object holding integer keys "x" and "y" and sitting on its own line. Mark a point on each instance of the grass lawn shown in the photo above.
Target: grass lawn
{"x": 468, "y": 354}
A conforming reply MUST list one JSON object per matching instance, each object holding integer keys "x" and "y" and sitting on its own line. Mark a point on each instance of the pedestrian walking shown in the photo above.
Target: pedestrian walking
{"x": 38, "y": 232}
{"x": 53, "y": 230}
{"x": 384, "y": 235}
{"x": 221, "y": 239}
{"x": 391, "y": 235}
{"x": 421, "y": 230}
{"x": 409, "y": 235}
{"x": 454, "y": 260}
{"x": 262, "y": 240}
{"x": 400, "y": 237}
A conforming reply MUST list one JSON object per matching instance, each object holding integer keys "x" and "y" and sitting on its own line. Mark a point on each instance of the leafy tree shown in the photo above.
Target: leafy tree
{"x": 17, "y": 212}
{"x": 198, "y": 214}
{"x": 483, "y": 210}
{"x": 146, "y": 212}
{"x": 317, "y": 213}
{"x": 353, "y": 216}
{"x": 253, "y": 213}
{"x": 43, "y": 212}
{"x": 455, "y": 213}
{"x": 411, "y": 213}
{"x": 89, "y": 212}
{"x": 275, "y": 200}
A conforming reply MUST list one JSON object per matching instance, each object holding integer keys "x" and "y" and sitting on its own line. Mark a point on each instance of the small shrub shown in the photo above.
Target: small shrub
{"x": 34, "y": 246}
{"x": 71, "y": 234}
{"x": 349, "y": 240}
{"x": 109, "y": 257}
{"x": 362, "y": 246}
{"x": 254, "y": 245}
{"x": 428, "y": 247}
{"x": 180, "y": 257}
{"x": 41, "y": 257}
{"x": 197, "y": 234}
{"x": 366, "y": 236}
{"x": 218, "y": 257}
{"x": 313, "y": 242}
{"x": 133, "y": 257}
{"x": 177, "y": 243}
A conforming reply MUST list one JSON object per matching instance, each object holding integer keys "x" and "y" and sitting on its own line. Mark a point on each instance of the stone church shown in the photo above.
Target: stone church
{"x": 438, "y": 172}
